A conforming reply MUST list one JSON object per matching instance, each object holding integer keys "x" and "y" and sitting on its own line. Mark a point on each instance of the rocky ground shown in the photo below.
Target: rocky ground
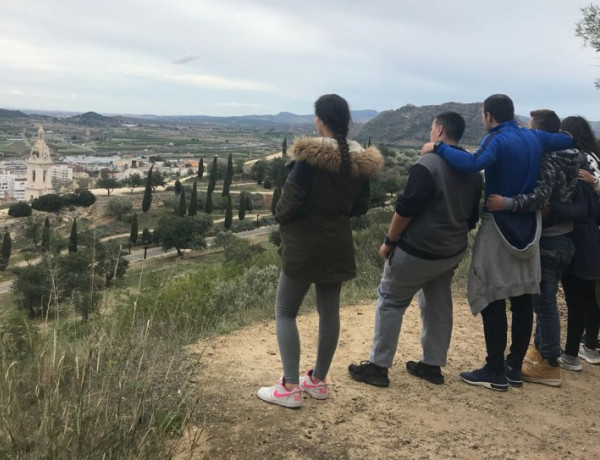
{"x": 410, "y": 419}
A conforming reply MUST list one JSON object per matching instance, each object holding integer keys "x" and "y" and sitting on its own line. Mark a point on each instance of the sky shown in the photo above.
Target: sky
{"x": 239, "y": 57}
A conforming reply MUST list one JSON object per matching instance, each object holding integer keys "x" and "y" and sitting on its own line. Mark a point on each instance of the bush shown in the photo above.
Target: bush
{"x": 20, "y": 209}
{"x": 48, "y": 203}
{"x": 275, "y": 238}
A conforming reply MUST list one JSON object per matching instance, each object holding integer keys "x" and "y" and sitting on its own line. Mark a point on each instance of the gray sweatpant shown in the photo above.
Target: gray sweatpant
{"x": 401, "y": 280}
{"x": 290, "y": 294}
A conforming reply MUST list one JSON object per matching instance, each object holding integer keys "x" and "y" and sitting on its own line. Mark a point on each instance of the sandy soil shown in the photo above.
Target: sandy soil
{"x": 410, "y": 419}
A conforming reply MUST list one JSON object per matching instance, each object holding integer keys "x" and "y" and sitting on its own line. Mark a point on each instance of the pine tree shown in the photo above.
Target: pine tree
{"x": 6, "y": 251}
{"x": 182, "y": 204}
{"x": 200, "y": 168}
{"x": 46, "y": 235}
{"x": 369, "y": 142}
{"x": 147, "y": 200}
{"x": 242, "y": 207}
{"x": 133, "y": 236}
{"x": 284, "y": 148}
{"x": 208, "y": 206}
{"x": 228, "y": 176}
{"x": 228, "y": 214}
{"x": 73, "y": 238}
{"x": 275, "y": 200}
{"x": 193, "y": 208}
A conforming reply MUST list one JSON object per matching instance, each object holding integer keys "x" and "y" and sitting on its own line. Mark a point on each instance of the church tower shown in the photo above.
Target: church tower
{"x": 39, "y": 169}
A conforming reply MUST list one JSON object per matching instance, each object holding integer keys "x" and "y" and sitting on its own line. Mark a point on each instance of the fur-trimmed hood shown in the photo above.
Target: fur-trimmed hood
{"x": 323, "y": 153}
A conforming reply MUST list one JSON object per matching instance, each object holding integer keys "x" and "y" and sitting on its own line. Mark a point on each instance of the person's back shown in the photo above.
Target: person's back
{"x": 441, "y": 229}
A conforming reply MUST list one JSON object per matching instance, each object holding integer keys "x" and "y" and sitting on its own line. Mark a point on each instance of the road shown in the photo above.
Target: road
{"x": 156, "y": 252}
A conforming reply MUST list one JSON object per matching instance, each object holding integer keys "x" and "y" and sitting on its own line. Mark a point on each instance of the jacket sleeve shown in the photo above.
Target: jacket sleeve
{"x": 294, "y": 191}
{"x": 361, "y": 205}
{"x": 542, "y": 191}
{"x": 555, "y": 141}
{"x": 485, "y": 155}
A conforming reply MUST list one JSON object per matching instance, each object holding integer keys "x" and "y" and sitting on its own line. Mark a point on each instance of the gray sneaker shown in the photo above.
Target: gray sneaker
{"x": 591, "y": 356}
{"x": 569, "y": 362}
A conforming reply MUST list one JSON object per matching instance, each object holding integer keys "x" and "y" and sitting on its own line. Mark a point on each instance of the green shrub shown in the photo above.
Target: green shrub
{"x": 20, "y": 209}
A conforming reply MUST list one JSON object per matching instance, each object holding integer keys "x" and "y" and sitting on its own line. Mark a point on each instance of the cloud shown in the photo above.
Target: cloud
{"x": 185, "y": 59}
{"x": 17, "y": 92}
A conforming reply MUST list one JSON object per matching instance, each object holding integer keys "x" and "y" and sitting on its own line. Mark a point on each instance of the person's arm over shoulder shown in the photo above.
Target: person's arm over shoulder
{"x": 294, "y": 191}
{"x": 485, "y": 155}
{"x": 555, "y": 141}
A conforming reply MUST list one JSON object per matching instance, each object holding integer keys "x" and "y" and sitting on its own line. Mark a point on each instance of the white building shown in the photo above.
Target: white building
{"x": 62, "y": 173}
{"x": 39, "y": 169}
{"x": 12, "y": 187}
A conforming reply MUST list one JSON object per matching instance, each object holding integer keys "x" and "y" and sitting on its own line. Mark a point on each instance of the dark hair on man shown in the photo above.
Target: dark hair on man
{"x": 546, "y": 120}
{"x": 580, "y": 129}
{"x": 453, "y": 124}
{"x": 333, "y": 110}
{"x": 499, "y": 106}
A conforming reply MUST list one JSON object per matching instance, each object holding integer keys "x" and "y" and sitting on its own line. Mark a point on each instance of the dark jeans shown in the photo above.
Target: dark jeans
{"x": 556, "y": 253}
{"x": 583, "y": 313}
{"x": 495, "y": 329}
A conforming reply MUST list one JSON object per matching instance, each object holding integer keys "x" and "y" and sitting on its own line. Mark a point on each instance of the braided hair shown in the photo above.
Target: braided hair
{"x": 333, "y": 110}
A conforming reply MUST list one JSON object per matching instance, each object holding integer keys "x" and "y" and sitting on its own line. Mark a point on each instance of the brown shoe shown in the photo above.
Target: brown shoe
{"x": 533, "y": 355}
{"x": 542, "y": 372}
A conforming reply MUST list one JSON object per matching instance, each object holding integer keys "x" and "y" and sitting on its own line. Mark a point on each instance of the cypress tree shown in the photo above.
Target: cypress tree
{"x": 6, "y": 251}
{"x": 212, "y": 180}
{"x": 275, "y": 200}
{"x": 73, "y": 237}
{"x": 228, "y": 176}
{"x": 228, "y": 214}
{"x": 133, "y": 236}
{"x": 200, "y": 168}
{"x": 46, "y": 235}
{"x": 147, "y": 200}
{"x": 284, "y": 148}
{"x": 208, "y": 206}
{"x": 182, "y": 205}
{"x": 193, "y": 208}
{"x": 249, "y": 204}
{"x": 242, "y": 208}
{"x": 177, "y": 187}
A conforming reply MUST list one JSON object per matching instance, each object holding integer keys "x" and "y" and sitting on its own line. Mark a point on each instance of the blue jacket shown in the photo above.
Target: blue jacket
{"x": 510, "y": 157}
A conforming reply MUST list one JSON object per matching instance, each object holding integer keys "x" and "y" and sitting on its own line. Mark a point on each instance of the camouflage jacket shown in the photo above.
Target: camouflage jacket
{"x": 556, "y": 182}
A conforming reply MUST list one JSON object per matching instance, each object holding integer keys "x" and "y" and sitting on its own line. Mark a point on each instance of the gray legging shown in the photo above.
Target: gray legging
{"x": 290, "y": 293}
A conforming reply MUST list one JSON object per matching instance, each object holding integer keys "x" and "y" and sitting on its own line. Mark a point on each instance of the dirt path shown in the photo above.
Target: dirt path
{"x": 410, "y": 419}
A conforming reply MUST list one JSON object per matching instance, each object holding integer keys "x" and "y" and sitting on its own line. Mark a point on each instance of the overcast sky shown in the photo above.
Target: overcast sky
{"x": 234, "y": 57}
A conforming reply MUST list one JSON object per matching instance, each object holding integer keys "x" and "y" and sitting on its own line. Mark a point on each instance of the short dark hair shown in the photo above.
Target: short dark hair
{"x": 453, "y": 124}
{"x": 580, "y": 129}
{"x": 499, "y": 106}
{"x": 546, "y": 120}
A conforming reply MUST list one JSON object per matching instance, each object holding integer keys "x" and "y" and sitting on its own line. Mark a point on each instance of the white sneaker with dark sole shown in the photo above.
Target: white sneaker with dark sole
{"x": 316, "y": 390}
{"x": 280, "y": 395}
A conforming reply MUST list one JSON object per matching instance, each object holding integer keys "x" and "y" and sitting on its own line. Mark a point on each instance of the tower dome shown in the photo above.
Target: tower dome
{"x": 40, "y": 149}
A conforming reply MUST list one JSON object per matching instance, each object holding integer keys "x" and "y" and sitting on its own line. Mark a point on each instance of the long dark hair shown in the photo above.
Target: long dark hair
{"x": 580, "y": 129}
{"x": 333, "y": 110}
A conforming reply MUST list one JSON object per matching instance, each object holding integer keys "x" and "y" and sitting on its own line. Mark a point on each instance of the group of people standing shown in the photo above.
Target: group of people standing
{"x": 539, "y": 228}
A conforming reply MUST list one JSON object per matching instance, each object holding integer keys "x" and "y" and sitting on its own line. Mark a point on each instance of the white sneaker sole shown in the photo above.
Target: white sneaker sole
{"x": 289, "y": 402}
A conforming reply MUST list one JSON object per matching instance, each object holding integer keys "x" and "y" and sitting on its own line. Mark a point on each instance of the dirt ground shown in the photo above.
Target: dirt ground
{"x": 410, "y": 419}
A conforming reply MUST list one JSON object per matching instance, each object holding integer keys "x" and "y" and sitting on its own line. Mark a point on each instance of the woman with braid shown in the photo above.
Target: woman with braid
{"x": 327, "y": 185}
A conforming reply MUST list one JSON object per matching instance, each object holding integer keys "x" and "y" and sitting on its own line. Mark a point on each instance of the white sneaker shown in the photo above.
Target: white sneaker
{"x": 316, "y": 390}
{"x": 591, "y": 356}
{"x": 280, "y": 395}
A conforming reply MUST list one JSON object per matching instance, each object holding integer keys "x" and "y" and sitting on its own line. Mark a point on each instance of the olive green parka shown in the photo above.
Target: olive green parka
{"x": 316, "y": 205}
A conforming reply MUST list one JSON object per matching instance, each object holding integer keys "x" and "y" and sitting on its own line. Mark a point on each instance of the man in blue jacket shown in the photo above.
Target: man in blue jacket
{"x": 506, "y": 261}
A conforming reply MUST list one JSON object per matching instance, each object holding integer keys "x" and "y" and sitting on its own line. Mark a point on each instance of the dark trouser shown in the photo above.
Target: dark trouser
{"x": 582, "y": 314}
{"x": 556, "y": 253}
{"x": 495, "y": 330}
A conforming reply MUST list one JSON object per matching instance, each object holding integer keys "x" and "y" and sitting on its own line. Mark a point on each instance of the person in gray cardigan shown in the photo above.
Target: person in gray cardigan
{"x": 426, "y": 240}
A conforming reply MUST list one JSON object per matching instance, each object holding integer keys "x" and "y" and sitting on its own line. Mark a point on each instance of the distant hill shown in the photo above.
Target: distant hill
{"x": 282, "y": 118}
{"x": 93, "y": 119}
{"x": 410, "y": 125}
{"x": 12, "y": 114}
